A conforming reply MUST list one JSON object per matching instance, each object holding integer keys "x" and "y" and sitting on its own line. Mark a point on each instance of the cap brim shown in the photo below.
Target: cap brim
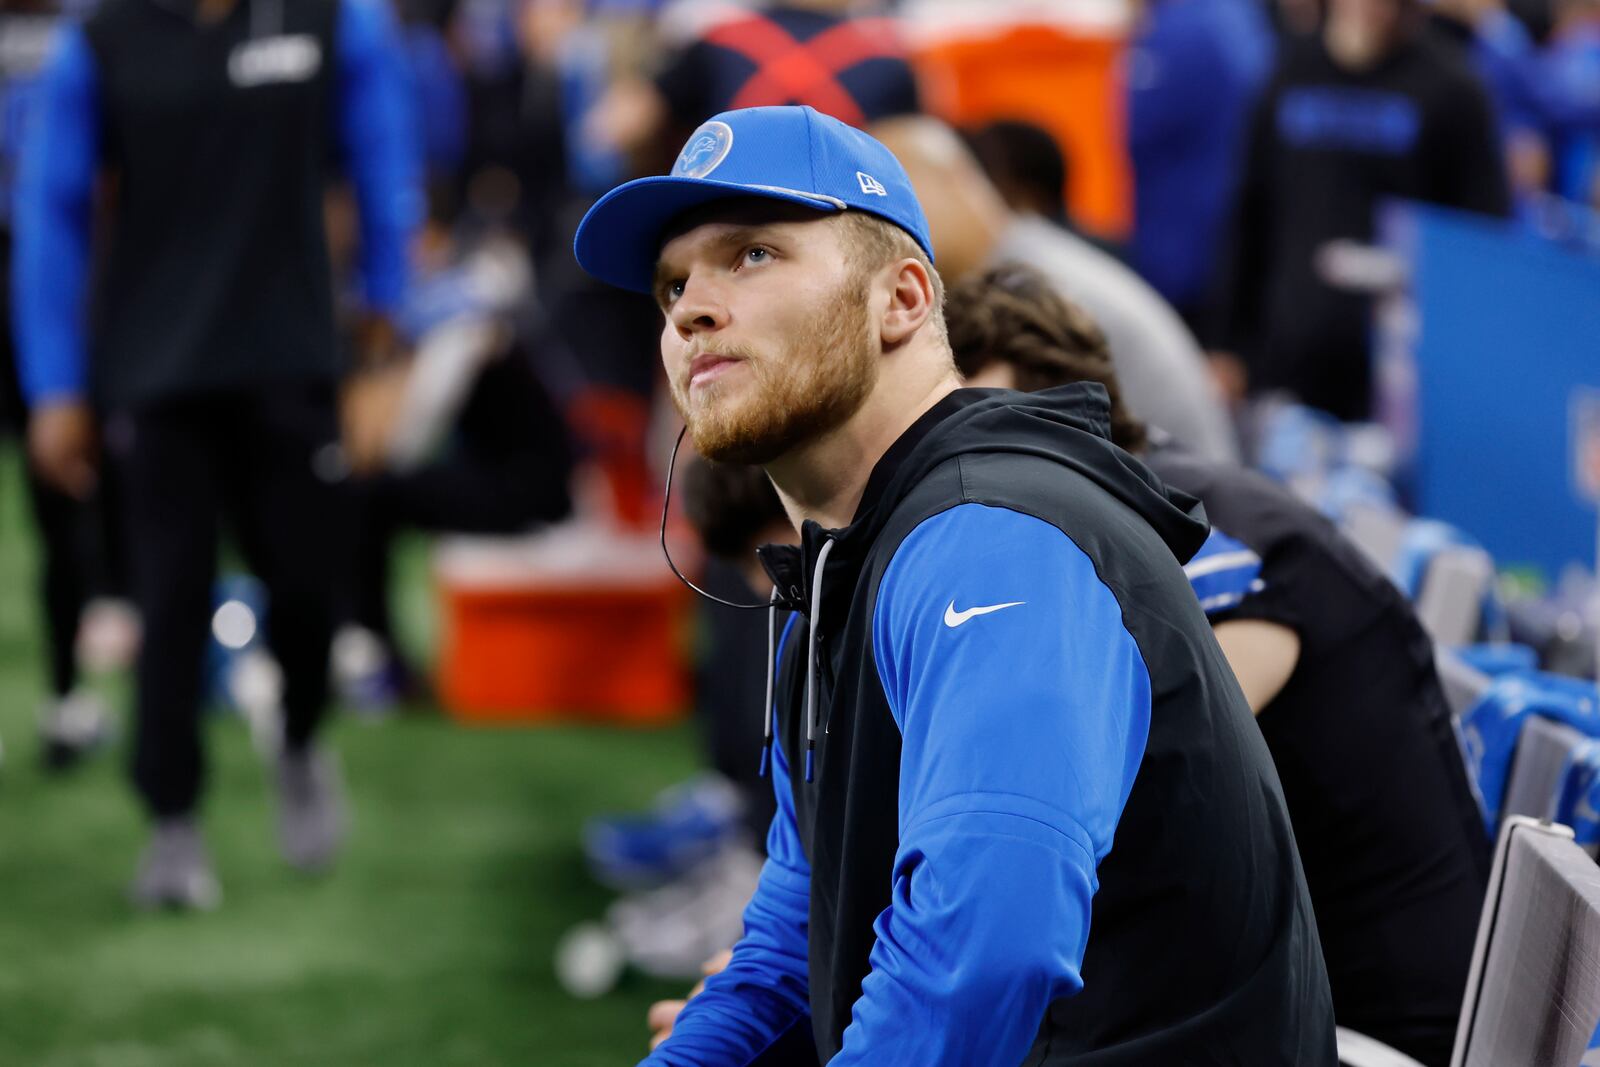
{"x": 620, "y": 236}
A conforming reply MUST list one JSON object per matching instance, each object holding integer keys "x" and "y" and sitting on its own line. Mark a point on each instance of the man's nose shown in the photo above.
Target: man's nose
{"x": 699, "y": 308}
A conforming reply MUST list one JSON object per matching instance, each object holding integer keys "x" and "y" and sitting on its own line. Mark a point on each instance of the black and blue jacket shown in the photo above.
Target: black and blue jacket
{"x": 219, "y": 142}
{"x": 1024, "y": 813}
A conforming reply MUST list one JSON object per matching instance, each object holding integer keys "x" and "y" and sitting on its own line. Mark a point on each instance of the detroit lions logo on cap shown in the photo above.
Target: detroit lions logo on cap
{"x": 705, "y": 150}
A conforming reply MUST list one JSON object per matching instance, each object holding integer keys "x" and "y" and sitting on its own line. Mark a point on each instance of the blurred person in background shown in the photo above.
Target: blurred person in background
{"x": 941, "y": 837}
{"x": 1368, "y": 108}
{"x": 212, "y": 349}
{"x": 1161, "y": 364}
{"x": 1469, "y": 29}
{"x": 1551, "y": 92}
{"x": 464, "y": 437}
{"x": 594, "y": 344}
{"x": 484, "y": 39}
{"x": 439, "y": 90}
{"x": 1193, "y": 70}
{"x": 1338, "y": 671}
{"x": 1031, "y": 173}
{"x": 1026, "y": 166}
{"x": 73, "y": 719}
{"x": 826, "y": 54}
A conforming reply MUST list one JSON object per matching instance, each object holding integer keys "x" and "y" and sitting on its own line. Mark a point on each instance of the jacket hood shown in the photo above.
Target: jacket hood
{"x": 1069, "y": 425}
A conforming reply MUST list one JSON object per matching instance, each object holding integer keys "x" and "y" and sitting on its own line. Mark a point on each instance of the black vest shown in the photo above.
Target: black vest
{"x": 1202, "y": 945}
{"x": 218, "y": 140}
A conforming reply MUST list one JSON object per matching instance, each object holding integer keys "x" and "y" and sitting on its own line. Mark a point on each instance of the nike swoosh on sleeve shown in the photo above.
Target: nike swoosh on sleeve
{"x": 954, "y": 618}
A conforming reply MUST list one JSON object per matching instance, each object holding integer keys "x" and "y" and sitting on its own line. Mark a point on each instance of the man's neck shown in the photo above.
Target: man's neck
{"x": 824, "y": 479}
{"x": 1355, "y": 47}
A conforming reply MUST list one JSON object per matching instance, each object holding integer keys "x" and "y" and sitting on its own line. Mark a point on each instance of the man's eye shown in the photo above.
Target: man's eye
{"x": 757, "y": 255}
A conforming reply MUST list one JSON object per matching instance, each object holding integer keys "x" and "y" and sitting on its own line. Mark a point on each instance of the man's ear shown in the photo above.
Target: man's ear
{"x": 910, "y": 302}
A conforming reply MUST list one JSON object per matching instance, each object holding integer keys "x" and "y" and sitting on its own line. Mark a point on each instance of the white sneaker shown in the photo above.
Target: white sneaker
{"x": 670, "y": 932}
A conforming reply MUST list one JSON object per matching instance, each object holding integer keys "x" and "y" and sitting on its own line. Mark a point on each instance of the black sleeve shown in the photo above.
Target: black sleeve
{"x": 1283, "y": 596}
{"x": 1470, "y": 169}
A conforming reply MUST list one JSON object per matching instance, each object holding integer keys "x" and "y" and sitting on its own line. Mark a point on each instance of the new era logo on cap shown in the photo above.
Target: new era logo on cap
{"x": 790, "y": 154}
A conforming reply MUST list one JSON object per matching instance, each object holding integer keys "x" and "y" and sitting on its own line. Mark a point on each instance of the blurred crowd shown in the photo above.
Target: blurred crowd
{"x": 314, "y": 280}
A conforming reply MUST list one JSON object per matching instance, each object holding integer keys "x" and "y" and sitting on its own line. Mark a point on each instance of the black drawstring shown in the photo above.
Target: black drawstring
{"x": 666, "y": 502}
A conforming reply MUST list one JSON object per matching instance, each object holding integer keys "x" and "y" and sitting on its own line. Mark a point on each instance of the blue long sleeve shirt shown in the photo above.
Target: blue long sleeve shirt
{"x": 54, "y": 205}
{"x": 1023, "y": 704}
{"x": 61, "y": 163}
{"x": 381, "y": 147}
{"x": 1193, "y": 72}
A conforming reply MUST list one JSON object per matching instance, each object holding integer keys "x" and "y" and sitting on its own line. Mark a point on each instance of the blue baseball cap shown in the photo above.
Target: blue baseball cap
{"x": 791, "y": 154}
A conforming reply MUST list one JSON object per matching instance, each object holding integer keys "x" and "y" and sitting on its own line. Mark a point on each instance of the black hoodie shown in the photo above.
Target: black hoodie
{"x": 1008, "y": 668}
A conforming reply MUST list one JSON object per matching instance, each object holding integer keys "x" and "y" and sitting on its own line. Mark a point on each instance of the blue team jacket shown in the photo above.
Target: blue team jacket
{"x": 1024, "y": 815}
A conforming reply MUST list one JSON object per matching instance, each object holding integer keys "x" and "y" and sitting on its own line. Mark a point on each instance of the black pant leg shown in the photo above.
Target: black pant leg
{"x": 467, "y": 491}
{"x": 65, "y": 549}
{"x": 66, "y": 552}
{"x": 166, "y": 464}
{"x": 373, "y": 526}
{"x": 289, "y": 511}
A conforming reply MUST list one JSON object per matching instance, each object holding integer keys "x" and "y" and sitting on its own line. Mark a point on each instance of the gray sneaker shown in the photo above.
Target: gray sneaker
{"x": 175, "y": 871}
{"x": 71, "y": 727}
{"x": 311, "y": 810}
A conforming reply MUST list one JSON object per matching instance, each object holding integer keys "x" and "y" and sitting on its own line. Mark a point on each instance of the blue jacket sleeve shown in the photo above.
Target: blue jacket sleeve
{"x": 764, "y": 990}
{"x": 54, "y": 210}
{"x": 1024, "y": 706}
{"x": 380, "y": 147}
{"x": 1174, "y": 80}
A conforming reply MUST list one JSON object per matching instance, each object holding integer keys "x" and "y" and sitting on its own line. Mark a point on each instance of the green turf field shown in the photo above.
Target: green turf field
{"x": 430, "y": 945}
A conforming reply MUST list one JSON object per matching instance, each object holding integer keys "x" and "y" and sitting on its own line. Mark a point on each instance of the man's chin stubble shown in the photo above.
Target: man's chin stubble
{"x": 765, "y": 419}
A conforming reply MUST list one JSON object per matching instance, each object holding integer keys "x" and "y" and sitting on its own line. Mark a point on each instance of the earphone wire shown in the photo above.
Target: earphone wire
{"x": 666, "y": 503}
